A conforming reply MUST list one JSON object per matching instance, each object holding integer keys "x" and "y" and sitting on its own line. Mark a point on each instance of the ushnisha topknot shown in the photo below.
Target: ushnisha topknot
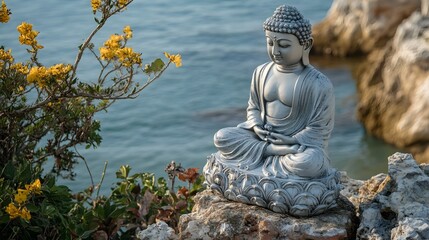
{"x": 287, "y": 19}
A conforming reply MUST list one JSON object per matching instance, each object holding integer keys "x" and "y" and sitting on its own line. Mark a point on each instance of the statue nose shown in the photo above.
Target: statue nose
{"x": 275, "y": 51}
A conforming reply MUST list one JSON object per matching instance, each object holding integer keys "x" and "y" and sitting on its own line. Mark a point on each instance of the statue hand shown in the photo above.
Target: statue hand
{"x": 280, "y": 139}
{"x": 262, "y": 134}
{"x": 281, "y": 150}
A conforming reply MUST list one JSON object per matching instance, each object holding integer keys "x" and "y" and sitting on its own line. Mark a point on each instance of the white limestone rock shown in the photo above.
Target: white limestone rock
{"x": 400, "y": 207}
{"x": 159, "y": 231}
{"x": 214, "y": 217}
{"x": 353, "y": 27}
{"x": 393, "y": 96}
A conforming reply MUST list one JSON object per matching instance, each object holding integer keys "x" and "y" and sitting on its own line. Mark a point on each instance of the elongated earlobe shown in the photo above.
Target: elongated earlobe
{"x": 306, "y": 52}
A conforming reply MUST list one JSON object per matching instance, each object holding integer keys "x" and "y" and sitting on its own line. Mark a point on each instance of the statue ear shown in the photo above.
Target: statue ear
{"x": 306, "y": 52}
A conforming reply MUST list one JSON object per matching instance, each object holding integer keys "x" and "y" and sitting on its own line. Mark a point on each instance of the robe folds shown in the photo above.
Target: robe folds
{"x": 310, "y": 121}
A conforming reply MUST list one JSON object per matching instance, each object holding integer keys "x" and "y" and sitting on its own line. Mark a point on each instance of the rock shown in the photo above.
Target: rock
{"x": 353, "y": 27}
{"x": 159, "y": 230}
{"x": 389, "y": 206}
{"x": 393, "y": 97}
{"x": 399, "y": 208}
{"x": 214, "y": 217}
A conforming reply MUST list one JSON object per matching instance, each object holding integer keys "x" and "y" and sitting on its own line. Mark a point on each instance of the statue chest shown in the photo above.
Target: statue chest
{"x": 280, "y": 88}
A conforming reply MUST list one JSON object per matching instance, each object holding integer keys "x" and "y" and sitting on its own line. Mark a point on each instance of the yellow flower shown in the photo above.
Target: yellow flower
{"x": 114, "y": 42}
{"x": 28, "y": 35}
{"x": 128, "y": 32}
{"x": 59, "y": 71}
{"x": 35, "y": 186}
{"x": 128, "y": 57}
{"x": 36, "y": 74}
{"x": 4, "y": 13}
{"x": 176, "y": 59}
{"x": 21, "y": 89}
{"x": 6, "y": 56}
{"x": 108, "y": 52}
{"x": 12, "y": 210}
{"x": 21, "y": 196}
{"x": 25, "y": 214}
{"x": 95, "y": 4}
{"x": 122, "y": 2}
{"x": 19, "y": 67}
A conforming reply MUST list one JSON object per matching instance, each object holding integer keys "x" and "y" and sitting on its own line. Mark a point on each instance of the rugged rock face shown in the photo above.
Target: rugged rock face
{"x": 352, "y": 27}
{"x": 393, "y": 89}
{"x": 388, "y": 206}
{"x": 214, "y": 217}
{"x": 399, "y": 208}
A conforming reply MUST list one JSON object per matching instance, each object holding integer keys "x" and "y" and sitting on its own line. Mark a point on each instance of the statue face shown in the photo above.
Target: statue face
{"x": 284, "y": 49}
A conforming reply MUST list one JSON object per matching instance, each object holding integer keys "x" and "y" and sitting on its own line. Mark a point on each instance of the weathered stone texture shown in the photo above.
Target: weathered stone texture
{"x": 354, "y": 27}
{"x": 393, "y": 89}
{"x": 214, "y": 217}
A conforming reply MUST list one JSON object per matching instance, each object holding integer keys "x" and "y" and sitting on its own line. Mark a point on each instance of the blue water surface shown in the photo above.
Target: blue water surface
{"x": 221, "y": 42}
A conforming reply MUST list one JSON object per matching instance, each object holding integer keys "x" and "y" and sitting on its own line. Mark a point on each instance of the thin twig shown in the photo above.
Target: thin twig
{"x": 102, "y": 179}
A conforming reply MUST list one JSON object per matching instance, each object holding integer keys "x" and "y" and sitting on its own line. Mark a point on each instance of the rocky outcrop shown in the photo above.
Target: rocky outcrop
{"x": 388, "y": 206}
{"x": 393, "y": 96}
{"x": 214, "y": 217}
{"x": 353, "y": 27}
{"x": 159, "y": 231}
{"x": 399, "y": 208}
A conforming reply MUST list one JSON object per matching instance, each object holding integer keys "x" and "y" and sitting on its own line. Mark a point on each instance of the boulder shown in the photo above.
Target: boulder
{"x": 386, "y": 206}
{"x": 354, "y": 27}
{"x": 392, "y": 85}
{"x": 159, "y": 231}
{"x": 396, "y": 207}
{"x": 215, "y": 217}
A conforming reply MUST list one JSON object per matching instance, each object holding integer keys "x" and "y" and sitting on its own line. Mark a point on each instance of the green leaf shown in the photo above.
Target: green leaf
{"x": 88, "y": 233}
{"x": 9, "y": 170}
{"x": 123, "y": 172}
{"x": 154, "y": 67}
{"x": 4, "y": 219}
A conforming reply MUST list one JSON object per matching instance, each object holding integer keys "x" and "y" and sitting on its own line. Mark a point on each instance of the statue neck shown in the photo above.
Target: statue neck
{"x": 295, "y": 68}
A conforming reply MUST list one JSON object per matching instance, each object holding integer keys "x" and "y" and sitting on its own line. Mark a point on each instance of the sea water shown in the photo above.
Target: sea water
{"x": 221, "y": 42}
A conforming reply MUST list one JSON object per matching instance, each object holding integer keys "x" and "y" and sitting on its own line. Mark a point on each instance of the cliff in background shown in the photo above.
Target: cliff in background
{"x": 393, "y": 81}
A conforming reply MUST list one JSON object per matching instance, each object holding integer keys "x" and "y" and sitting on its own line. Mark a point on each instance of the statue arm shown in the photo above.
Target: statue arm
{"x": 319, "y": 128}
{"x": 254, "y": 104}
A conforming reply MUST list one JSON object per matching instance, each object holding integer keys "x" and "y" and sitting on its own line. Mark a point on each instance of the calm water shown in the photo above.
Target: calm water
{"x": 221, "y": 42}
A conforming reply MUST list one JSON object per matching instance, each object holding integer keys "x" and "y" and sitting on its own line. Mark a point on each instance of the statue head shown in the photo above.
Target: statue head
{"x": 287, "y": 20}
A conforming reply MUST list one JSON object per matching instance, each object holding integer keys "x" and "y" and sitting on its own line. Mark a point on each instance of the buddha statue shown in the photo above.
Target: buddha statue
{"x": 278, "y": 157}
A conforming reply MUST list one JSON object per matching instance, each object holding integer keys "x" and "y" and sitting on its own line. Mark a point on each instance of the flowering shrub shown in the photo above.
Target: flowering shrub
{"x": 46, "y": 112}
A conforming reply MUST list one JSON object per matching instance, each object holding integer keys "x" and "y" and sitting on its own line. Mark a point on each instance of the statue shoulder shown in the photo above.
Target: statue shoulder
{"x": 322, "y": 81}
{"x": 261, "y": 67}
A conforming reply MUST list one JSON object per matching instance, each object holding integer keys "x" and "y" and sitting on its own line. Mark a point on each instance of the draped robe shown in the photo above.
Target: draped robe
{"x": 310, "y": 121}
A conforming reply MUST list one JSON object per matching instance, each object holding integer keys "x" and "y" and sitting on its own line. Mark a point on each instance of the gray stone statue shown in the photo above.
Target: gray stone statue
{"x": 278, "y": 158}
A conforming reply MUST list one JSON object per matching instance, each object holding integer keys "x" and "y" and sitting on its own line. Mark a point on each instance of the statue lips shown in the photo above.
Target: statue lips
{"x": 277, "y": 59}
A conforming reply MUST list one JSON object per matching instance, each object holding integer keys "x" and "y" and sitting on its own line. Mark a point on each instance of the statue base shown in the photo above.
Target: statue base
{"x": 295, "y": 196}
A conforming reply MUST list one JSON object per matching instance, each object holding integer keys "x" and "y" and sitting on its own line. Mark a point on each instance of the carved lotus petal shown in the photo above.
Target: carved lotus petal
{"x": 280, "y": 196}
{"x": 254, "y": 191}
{"x": 300, "y": 210}
{"x": 278, "y": 207}
{"x": 320, "y": 209}
{"x": 243, "y": 199}
{"x": 293, "y": 189}
{"x": 258, "y": 201}
{"x": 248, "y": 180}
{"x": 306, "y": 199}
{"x": 216, "y": 187}
{"x": 317, "y": 189}
{"x": 230, "y": 195}
{"x": 268, "y": 185}
{"x": 328, "y": 197}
